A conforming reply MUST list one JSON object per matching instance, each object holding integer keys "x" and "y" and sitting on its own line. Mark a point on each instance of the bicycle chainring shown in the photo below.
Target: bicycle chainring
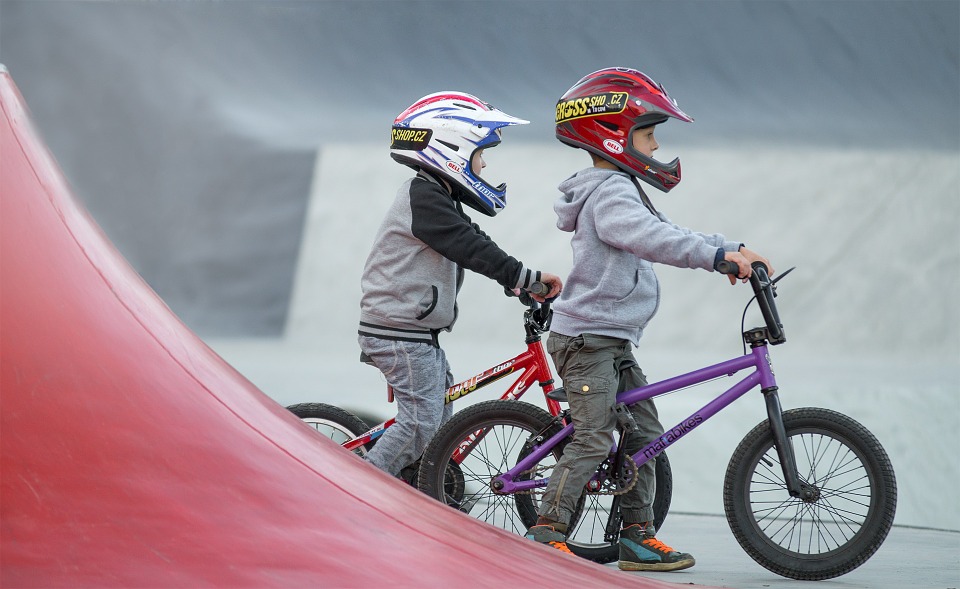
{"x": 616, "y": 483}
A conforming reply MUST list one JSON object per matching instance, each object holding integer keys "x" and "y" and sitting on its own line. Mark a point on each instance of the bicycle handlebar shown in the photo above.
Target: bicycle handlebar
{"x": 764, "y": 291}
{"x": 538, "y": 288}
{"x": 538, "y": 315}
{"x": 763, "y": 288}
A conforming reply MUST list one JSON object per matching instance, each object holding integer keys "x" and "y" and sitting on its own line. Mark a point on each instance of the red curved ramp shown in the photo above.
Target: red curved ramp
{"x": 132, "y": 455}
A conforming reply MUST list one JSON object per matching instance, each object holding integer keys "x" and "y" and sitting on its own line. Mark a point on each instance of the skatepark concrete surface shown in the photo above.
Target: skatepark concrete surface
{"x": 232, "y": 153}
{"x": 910, "y": 557}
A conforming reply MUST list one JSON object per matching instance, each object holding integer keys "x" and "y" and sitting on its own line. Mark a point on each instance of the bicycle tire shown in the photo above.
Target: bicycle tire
{"x": 333, "y": 422}
{"x": 836, "y": 531}
{"x": 509, "y": 424}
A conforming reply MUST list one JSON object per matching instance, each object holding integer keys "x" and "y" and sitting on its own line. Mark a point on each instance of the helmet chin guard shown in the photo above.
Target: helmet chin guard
{"x": 441, "y": 132}
{"x": 602, "y": 110}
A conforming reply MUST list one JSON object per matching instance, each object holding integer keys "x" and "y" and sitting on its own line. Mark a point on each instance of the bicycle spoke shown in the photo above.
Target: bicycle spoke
{"x": 840, "y": 507}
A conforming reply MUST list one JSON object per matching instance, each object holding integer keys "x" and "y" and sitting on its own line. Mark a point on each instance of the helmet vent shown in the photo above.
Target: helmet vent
{"x": 609, "y": 125}
{"x": 463, "y": 105}
{"x": 450, "y": 145}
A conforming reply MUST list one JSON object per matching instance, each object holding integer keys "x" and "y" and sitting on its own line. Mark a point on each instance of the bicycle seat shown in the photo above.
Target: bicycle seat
{"x": 558, "y": 394}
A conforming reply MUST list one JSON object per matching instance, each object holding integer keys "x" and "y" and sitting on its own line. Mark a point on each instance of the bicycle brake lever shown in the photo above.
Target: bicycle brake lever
{"x": 778, "y": 278}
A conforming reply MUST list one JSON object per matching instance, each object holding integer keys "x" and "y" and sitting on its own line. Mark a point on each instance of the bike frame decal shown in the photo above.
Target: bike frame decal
{"x": 458, "y": 391}
{"x": 369, "y": 435}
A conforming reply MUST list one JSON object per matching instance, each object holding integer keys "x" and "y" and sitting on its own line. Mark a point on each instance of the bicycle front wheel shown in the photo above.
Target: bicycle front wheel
{"x": 840, "y": 526}
{"x": 333, "y": 422}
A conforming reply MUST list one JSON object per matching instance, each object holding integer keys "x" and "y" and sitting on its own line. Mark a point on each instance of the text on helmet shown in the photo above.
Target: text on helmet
{"x": 591, "y": 106}
{"x": 410, "y": 138}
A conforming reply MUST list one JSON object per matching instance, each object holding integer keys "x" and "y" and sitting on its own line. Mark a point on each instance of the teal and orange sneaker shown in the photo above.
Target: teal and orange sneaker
{"x": 548, "y": 535}
{"x": 641, "y": 551}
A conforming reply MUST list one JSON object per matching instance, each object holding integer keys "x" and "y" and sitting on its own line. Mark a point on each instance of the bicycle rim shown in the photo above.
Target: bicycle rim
{"x": 332, "y": 422}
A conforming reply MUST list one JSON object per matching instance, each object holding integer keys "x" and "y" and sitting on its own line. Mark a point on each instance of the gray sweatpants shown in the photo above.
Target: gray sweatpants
{"x": 420, "y": 376}
{"x": 594, "y": 369}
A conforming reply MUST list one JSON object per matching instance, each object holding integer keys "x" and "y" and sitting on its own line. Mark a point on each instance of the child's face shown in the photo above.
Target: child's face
{"x": 477, "y": 163}
{"x": 644, "y": 141}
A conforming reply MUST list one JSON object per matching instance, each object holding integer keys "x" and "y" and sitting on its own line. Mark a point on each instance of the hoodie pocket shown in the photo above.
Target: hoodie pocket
{"x": 428, "y": 303}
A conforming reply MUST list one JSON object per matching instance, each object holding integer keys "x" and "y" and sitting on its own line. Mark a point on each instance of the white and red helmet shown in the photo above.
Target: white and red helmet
{"x": 600, "y": 112}
{"x": 441, "y": 132}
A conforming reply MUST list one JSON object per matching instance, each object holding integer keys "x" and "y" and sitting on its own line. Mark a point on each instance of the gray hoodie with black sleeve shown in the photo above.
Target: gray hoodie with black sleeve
{"x": 612, "y": 289}
{"x": 415, "y": 267}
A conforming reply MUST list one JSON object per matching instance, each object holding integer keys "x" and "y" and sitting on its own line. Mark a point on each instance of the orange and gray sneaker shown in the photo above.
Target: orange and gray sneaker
{"x": 641, "y": 551}
{"x": 546, "y": 534}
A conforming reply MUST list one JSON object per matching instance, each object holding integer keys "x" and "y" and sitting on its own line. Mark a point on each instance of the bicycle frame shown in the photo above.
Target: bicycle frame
{"x": 762, "y": 376}
{"x": 758, "y": 359}
{"x": 532, "y": 366}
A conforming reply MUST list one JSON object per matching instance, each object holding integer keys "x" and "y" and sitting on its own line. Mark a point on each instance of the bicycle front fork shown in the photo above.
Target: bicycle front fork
{"x": 788, "y": 462}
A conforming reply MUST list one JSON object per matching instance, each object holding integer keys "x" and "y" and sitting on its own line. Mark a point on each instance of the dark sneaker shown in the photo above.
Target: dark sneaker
{"x": 641, "y": 551}
{"x": 548, "y": 535}
{"x": 410, "y": 472}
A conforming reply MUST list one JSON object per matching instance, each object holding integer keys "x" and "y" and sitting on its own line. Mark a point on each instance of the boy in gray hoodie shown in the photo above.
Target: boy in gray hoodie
{"x": 612, "y": 293}
{"x": 416, "y": 265}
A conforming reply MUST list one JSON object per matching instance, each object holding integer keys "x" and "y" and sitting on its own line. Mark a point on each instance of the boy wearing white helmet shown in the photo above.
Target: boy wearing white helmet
{"x": 612, "y": 293}
{"x": 416, "y": 265}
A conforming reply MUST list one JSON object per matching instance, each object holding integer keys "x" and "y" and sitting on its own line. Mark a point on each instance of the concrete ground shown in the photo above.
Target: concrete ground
{"x": 910, "y": 557}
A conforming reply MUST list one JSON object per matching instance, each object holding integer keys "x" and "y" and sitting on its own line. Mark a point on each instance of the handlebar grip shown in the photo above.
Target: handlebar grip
{"x": 728, "y": 267}
{"x": 538, "y": 288}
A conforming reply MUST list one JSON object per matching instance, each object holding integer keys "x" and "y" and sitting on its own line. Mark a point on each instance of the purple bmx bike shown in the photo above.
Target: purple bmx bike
{"x": 809, "y": 493}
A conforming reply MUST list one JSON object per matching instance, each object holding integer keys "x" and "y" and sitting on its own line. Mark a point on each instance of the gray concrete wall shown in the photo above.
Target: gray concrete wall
{"x": 235, "y": 152}
{"x": 190, "y": 128}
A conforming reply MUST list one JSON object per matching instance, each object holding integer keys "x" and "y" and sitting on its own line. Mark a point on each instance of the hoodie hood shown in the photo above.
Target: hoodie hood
{"x": 575, "y": 191}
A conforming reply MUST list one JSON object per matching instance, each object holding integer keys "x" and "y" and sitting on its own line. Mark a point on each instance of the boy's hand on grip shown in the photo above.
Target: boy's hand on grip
{"x": 548, "y": 287}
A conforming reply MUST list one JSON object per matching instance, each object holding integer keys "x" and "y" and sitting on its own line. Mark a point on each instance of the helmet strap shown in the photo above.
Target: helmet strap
{"x": 644, "y": 198}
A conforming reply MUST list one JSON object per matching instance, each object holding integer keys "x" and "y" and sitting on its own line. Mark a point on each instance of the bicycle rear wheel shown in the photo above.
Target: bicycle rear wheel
{"x": 506, "y": 428}
{"x": 829, "y": 534}
{"x": 333, "y": 422}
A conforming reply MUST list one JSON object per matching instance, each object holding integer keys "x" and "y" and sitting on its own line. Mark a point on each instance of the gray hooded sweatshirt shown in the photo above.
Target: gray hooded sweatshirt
{"x": 415, "y": 267}
{"x": 612, "y": 289}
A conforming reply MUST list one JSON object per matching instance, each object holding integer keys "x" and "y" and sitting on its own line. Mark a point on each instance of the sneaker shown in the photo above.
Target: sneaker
{"x": 641, "y": 551}
{"x": 410, "y": 472}
{"x": 548, "y": 535}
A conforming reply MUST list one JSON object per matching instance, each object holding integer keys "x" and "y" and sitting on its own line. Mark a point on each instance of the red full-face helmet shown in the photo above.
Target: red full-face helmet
{"x": 600, "y": 112}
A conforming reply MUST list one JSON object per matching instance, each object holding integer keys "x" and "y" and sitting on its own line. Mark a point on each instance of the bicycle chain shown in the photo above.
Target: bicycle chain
{"x": 619, "y": 485}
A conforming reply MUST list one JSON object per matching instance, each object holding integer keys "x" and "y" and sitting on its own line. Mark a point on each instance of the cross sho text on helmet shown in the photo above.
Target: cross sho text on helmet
{"x": 588, "y": 106}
